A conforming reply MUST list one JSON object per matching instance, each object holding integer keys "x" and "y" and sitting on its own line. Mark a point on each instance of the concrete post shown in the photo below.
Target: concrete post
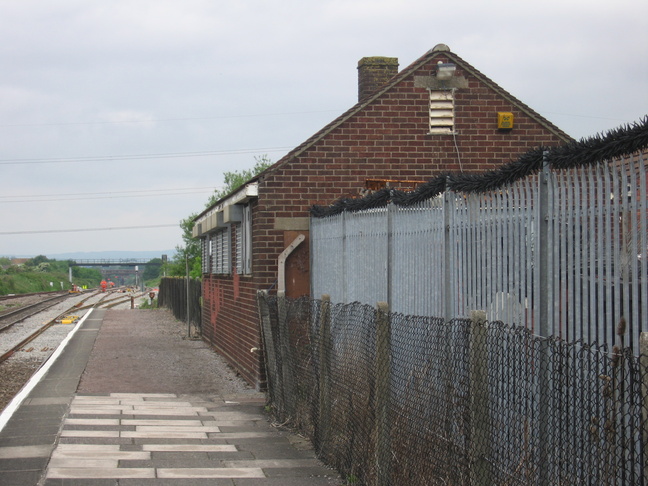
{"x": 480, "y": 426}
{"x": 269, "y": 351}
{"x": 286, "y": 356}
{"x": 324, "y": 352}
{"x": 643, "y": 349}
{"x": 383, "y": 395}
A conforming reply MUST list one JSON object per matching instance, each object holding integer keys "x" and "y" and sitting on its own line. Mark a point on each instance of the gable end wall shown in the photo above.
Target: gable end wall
{"x": 388, "y": 139}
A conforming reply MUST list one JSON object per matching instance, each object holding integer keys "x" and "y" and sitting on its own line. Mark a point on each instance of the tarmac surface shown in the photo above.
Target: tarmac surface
{"x": 129, "y": 401}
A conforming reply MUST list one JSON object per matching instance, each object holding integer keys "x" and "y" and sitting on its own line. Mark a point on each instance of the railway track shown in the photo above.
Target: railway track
{"x": 10, "y": 297}
{"x": 12, "y": 343}
{"x": 28, "y": 344}
{"x": 9, "y": 318}
{"x": 95, "y": 300}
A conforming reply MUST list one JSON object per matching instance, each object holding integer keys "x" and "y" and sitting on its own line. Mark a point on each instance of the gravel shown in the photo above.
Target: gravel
{"x": 13, "y": 303}
{"x": 17, "y": 370}
{"x": 13, "y": 375}
{"x": 46, "y": 343}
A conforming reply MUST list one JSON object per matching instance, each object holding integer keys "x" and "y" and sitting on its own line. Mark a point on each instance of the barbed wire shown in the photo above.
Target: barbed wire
{"x": 598, "y": 149}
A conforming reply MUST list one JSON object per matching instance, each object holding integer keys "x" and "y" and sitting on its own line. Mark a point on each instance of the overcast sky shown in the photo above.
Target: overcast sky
{"x": 125, "y": 113}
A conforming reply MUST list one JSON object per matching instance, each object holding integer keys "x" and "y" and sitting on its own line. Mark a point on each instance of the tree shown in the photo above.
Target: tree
{"x": 37, "y": 260}
{"x": 43, "y": 267}
{"x": 152, "y": 269}
{"x": 234, "y": 180}
{"x": 191, "y": 250}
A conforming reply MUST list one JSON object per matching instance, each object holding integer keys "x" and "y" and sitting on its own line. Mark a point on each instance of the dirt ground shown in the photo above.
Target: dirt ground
{"x": 146, "y": 351}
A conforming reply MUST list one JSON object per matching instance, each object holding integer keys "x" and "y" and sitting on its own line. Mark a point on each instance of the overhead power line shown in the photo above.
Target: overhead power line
{"x": 137, "y": 191}
{"x": 107, "y": 195}
{"x": 77, "y": 230}
{"x": 168, "y": 155}
{"x": 155, "y": 120}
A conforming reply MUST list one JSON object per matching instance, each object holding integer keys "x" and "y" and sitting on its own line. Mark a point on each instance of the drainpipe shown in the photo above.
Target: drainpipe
{"x": 281, "y": 279}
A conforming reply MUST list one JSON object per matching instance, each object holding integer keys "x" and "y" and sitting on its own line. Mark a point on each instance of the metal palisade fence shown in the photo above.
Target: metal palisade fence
{"x": 481, "y": 330}
{"x": 561, "y": 252}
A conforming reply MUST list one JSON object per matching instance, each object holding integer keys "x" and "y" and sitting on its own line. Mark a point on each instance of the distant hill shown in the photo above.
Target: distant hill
{"x": 111, "y": 255}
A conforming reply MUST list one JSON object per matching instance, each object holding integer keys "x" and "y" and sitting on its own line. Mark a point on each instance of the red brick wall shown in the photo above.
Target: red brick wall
{"x": 228, "y": 320}
{"x": 388, "y": 139}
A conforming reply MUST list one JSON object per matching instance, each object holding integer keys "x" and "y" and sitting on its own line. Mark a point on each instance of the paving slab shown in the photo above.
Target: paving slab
{"x": 176, "y": 419}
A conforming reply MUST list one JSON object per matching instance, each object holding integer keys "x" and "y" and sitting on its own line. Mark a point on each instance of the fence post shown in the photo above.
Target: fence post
{"x": 448, "y": 295}
{"x": 448, "y": 305}
{"x": 480, "y": 426}
{"x": 187, "y": 297}
{"x": 344, "y": 255}
{"x": 286, "y": 355}
{"x": 390, "y": 253}
{"x": 272, "y": 375}
{"x": 383, "y": 395}
{"x": 324, "y": 352}
{"x": 543, "y": 248}
{"x": 643, "y": 367}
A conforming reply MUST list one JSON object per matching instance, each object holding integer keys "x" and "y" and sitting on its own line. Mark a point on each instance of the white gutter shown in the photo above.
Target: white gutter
{"x": 243, "y": 195}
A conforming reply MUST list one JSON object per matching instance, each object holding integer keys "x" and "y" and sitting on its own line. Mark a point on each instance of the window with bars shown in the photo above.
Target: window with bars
{"x": 206, "y": 254}
{"x": 442, "y": 111}
{"x": 220, "y": 252}
{"x": 239, "y": 240}
{"x": 244, "y": 242}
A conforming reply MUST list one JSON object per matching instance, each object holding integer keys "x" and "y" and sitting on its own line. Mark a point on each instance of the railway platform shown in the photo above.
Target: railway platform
{"x": 128, "y": 401}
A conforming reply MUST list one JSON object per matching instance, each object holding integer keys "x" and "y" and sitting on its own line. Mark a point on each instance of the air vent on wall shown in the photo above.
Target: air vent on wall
{"x": 441, "y": 111}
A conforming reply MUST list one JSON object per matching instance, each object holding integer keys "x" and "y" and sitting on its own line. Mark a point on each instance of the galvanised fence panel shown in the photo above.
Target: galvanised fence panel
{"x": 352, "y": 244}
{"x": 365, "y": 255}
{"x": 416, "y": 238}
{"x": 491, "y": 237}
{"x": 561, "y": 252}
{"x": 328, "y": 234}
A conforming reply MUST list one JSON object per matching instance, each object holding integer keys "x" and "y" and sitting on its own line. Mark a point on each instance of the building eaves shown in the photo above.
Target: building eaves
{"x": 527, "y": 110}
{"x": 243, "y": 193}
{"x": 440, "y": 50}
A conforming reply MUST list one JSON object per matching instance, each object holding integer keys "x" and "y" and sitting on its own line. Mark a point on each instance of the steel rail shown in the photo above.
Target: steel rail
{"x": 32, "y": 309}
{"x": 43, "y": 328}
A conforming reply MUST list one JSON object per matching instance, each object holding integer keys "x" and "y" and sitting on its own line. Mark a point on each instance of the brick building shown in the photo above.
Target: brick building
{"x": 437, "y": 115}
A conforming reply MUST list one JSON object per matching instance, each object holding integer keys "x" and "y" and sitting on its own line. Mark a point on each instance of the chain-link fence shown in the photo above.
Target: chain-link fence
{"x": 173, "y": 294}
{"x": 390, "y": 399}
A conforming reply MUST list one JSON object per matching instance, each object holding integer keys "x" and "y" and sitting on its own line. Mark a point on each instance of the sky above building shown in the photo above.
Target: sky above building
{"x": 118, "y": 118}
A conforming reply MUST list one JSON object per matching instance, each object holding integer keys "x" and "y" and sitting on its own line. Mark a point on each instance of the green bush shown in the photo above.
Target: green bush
{"x": 37, "y": 274}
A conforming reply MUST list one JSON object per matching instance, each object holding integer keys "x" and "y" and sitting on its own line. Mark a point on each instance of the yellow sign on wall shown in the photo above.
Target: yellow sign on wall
{"x": 504, "y": 120}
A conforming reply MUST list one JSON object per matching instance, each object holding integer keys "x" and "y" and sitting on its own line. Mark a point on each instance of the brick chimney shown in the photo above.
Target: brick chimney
{"x": 373, "y": 73}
